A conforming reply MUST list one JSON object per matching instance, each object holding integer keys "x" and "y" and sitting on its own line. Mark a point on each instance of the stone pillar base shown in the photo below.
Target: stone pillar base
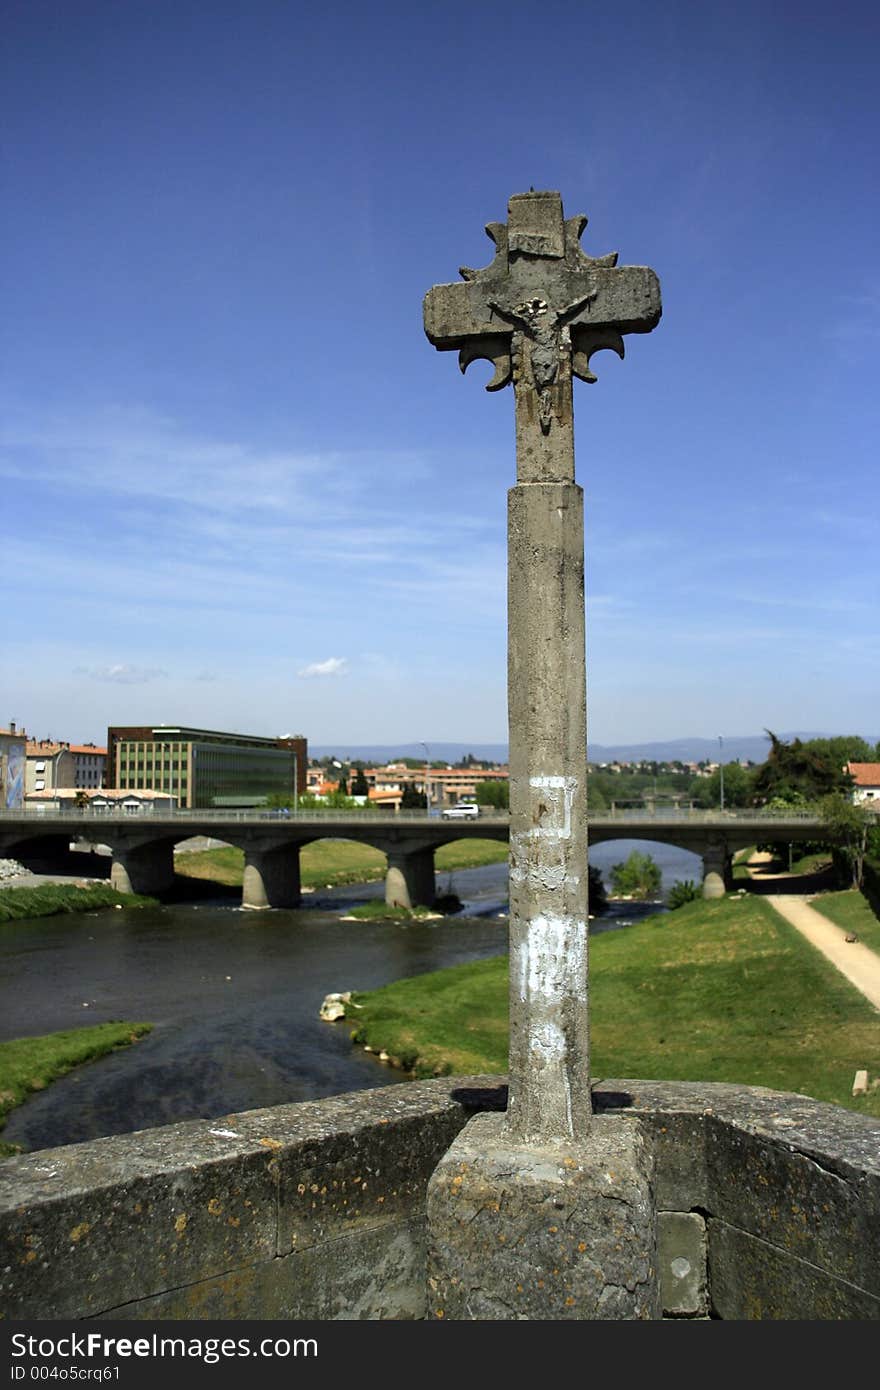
{"x": 549, "y": 1233}
{"x": 271, "y": 878}
{"x": 409, "y": 881}
{"x": 146, "y": 869}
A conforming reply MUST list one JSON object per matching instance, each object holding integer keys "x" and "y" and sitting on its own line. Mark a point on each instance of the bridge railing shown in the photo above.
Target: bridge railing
{"x": 634, "y": 816}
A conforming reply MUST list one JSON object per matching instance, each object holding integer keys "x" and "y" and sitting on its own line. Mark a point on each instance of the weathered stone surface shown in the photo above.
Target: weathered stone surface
{"x": 681, "y": 1259}
{"x": 549, "y": 1018}
{"x": 679, "y": 1143}
{"x": 377, "y": 1273}
{"x": 750, "y": 1279}
{"x": 536, "y": 1232}
{"x": 360, "y": 1177}
{"x": 91, "y": 1227}
{"x": 96, "y": 1224}
{"x": 816, "y": 1207}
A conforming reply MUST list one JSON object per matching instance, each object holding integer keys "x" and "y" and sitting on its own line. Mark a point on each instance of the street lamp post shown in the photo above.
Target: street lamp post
{"x": 721, "y": 767}
{"x": 427, "y": 783}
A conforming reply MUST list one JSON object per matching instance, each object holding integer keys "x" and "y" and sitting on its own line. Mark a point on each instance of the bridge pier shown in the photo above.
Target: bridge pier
{"x": 716, "y": 869}
{"x": 271, "y": 877}
{"x": 145, "y": 868}
{"x": 409, "y": 880}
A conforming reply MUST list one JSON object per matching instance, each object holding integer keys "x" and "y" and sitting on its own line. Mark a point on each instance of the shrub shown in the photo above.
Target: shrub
{"x": 683, "y": 891}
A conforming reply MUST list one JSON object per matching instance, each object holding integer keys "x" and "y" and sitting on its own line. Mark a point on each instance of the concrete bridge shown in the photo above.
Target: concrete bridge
{"x": 142, "y": 846}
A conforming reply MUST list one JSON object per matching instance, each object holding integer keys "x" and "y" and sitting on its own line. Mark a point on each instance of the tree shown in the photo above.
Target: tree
{"x": 411, "y": 800}
{"x": 496, "y": 794}
{"x": 706, "y": 791}
{"x": 359, "y": 784}
{"x": 638, "y": 877}
{"x": 850, "y": 826}
{"x": 598, "y": 895}
{"x": 798, "y": 769}
{"x": 847, "y": 748}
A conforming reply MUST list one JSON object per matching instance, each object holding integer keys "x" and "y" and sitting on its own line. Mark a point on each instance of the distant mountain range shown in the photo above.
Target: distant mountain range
{"x": 750, "y": 746}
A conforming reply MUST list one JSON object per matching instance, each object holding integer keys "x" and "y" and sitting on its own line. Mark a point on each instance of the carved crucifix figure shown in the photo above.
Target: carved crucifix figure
{"x": 538, "y": 312}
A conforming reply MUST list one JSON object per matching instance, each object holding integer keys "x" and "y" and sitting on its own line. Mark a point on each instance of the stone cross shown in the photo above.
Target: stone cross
{"x": 538, "y": 312}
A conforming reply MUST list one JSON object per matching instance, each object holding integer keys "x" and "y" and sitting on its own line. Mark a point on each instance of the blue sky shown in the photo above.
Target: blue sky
{"x": 243, "y": 491}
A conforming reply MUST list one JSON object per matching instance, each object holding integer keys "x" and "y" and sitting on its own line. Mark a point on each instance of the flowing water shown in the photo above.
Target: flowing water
{"x": 234, "y": 997}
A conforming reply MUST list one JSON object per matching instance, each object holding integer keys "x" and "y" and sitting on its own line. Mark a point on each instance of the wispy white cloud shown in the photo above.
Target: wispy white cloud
{"x": 121, "y": 673}
{"x": 333, "y": 666}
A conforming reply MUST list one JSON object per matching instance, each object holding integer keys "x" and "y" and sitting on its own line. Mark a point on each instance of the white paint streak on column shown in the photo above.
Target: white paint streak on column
{"x": 552, "y": 814}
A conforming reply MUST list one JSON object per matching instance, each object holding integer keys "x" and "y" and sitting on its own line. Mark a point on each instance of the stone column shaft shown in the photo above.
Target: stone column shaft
{"x": 549, "y": 1023}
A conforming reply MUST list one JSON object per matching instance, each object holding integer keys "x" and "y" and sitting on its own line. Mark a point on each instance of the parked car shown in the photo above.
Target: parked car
{"x": 465, "y": 810}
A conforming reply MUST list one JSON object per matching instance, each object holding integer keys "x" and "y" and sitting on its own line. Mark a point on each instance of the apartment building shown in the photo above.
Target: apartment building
{"x": 89, "y": 762}
{"x": 13, "y": 745}
{"x": 50, "y": 765}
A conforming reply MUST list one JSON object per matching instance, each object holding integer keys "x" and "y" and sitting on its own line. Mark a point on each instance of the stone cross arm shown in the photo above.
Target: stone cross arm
{"x": 541, "y": 284}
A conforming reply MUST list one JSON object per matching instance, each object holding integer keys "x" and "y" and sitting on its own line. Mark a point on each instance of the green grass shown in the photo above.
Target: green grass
{"x": 811, "y": 863}
{"x": 376, "y": 911}
{"x": 741, "y": 863}
{"x": 48, "y": 899}
{"x": 850, "y": 911}
{"x": 328, "y": 863}
{"x": 717, "y": 991}
{"x": 30, "y": 1064}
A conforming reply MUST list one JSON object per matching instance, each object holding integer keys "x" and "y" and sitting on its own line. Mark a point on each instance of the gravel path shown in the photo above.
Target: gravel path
{"x": 857, "y": 962}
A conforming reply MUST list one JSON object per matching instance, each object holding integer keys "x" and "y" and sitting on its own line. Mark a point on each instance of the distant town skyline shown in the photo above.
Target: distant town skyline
{"x": 751, "y": 747}
{"x": 241, "y": 489}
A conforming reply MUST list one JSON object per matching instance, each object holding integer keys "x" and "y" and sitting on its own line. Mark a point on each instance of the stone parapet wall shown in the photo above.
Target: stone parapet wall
{"x": 768, "y": 1205}
{"x": 299, "y": 1211}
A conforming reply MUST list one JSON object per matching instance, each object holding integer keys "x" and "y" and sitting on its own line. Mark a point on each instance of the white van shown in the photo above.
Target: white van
{"x": 465, "y": 810}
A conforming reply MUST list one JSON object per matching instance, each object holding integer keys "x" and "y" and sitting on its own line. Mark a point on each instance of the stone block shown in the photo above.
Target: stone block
{"x": 378, "y": 1273}
{"x": 358, "y": 1178}
{"x": 93, "y": 1226}
{"x": 814, "y": 1205}
{"x": 750, "y": 1279}
{"x": 533, "y": 1232}
{"x": 681, "y": 1260}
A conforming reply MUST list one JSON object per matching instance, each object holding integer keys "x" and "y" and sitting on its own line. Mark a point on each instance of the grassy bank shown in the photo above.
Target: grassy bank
{"x": 850, "y": 911}
{"x": 741, "y": 864}
{"x": 716, "y": 991}
{"x": 29, "y": 1064}
{"x": 376, "y": 911}
{"x": 48, "y": 899}
{"x": 329, "y": 863}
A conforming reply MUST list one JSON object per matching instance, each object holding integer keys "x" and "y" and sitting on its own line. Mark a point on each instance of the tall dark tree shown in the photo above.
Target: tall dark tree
{"x": 359, "y": 784}
{"x": 598, "y": 898}
{"x": 797, "y": 771}
{"x": 411, "y": 800}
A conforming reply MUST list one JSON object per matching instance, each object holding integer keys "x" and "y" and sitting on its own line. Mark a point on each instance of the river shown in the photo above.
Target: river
{"x": 234, "y": 997}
